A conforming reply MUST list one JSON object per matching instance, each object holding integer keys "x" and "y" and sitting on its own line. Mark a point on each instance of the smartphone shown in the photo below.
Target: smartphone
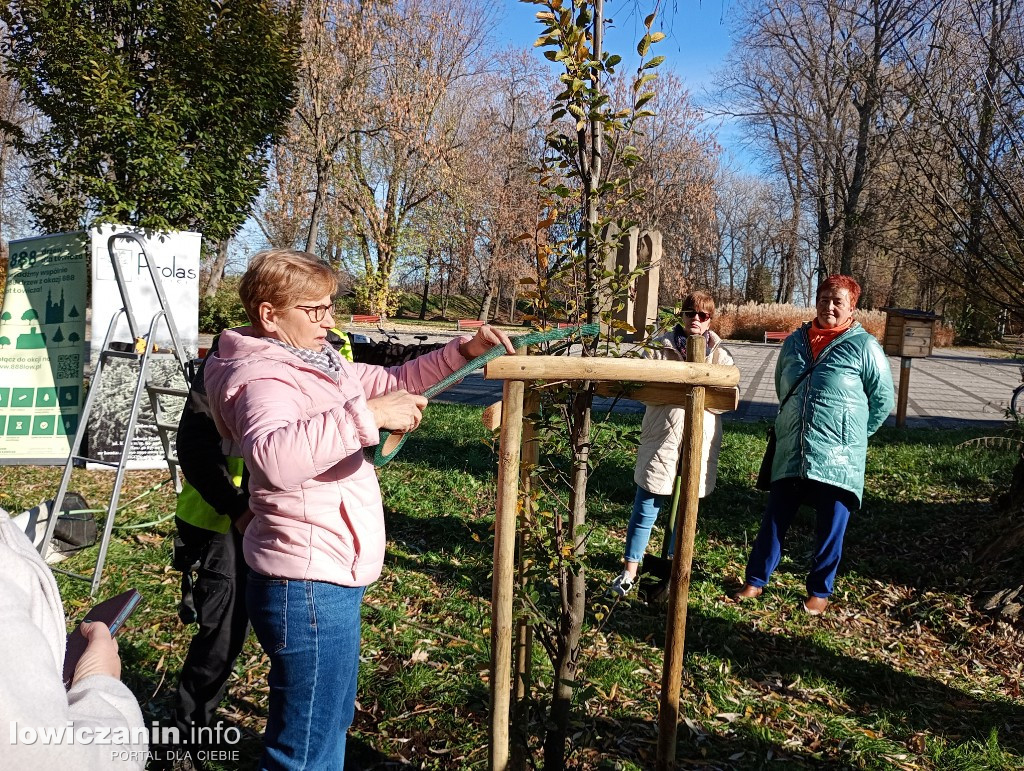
{"x": 113, "y": 613}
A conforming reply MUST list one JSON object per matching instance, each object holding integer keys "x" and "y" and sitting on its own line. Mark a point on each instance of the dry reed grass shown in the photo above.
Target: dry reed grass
{"x": 750, "y": 321}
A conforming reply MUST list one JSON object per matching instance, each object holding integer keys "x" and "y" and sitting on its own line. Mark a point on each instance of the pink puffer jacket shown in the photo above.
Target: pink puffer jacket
{"x": 315, "y": 497}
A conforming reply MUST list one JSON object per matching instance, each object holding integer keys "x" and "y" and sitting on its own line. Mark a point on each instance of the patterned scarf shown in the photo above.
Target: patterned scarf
{"x": 327, "y": 360}
{"x": 679, "y": 340}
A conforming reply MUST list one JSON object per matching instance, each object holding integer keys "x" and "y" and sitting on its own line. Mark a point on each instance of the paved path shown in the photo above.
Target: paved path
{"x": 950, "y": 389}
{"x": 953, "y": 388}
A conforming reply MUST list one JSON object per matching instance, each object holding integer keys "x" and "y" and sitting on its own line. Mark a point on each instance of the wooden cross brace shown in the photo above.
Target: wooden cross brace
{"x": 692, "y": 384}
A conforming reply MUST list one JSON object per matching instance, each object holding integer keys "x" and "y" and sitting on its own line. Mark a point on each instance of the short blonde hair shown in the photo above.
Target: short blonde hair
{"x": 283, "y": 278}
{"x": 699, "y": 301}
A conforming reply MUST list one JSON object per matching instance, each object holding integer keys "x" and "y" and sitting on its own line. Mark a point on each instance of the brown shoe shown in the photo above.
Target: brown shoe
{"x": 748, "y": 592}
{"x": 815, "y": 606}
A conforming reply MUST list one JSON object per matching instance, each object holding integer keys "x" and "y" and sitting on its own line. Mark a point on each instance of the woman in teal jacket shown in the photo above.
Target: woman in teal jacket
{"x": 822, "y": 435}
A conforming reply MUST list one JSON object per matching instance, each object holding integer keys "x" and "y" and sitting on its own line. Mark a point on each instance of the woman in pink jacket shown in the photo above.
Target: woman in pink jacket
{"x": 301, "y": 417}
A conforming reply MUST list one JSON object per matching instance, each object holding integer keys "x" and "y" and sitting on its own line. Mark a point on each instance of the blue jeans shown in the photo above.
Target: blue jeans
{"x": 310, "y": 630}
{"x": 646, "y": 506}
{"x": 832, "y": 508}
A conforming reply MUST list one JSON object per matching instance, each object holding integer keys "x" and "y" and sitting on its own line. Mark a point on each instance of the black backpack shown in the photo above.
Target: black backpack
{"x": 76, "y": 525}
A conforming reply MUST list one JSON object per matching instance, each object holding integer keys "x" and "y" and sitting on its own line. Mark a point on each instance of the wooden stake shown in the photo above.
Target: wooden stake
{"x": 901, "y": 401}
{"x": 679, "y": 591}
{"x": 524, "y": 630}
{"x": 504, "y": 564}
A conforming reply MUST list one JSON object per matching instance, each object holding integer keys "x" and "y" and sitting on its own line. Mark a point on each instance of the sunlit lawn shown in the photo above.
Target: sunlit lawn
{"x": 901, "y": 673}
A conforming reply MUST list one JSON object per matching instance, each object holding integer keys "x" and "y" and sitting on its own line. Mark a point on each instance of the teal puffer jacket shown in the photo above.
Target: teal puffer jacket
{"x": 822, "y": 431}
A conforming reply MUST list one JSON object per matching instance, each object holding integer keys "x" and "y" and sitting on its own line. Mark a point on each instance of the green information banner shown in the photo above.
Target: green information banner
{"x": 42, "y": 331}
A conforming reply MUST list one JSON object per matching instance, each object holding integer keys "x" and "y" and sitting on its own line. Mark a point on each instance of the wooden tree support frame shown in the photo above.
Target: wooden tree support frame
{"x": 692, "y": 384}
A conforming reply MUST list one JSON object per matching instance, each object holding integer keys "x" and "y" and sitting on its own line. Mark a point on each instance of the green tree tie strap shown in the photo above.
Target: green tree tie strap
{"x": 390, "y": 443}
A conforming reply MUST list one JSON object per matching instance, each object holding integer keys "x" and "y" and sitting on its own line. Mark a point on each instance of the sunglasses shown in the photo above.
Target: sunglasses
{"x": 316, "y": 313}
{"x": 701, "y": 315}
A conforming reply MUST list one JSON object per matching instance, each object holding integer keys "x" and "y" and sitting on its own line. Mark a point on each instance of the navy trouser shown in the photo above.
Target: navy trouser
{"x": 832, "y": 508}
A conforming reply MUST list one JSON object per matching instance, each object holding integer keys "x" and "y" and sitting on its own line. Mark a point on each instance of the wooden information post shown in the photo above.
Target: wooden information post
{"x": 692, "y": 384}
{"x": 908, "y": 334}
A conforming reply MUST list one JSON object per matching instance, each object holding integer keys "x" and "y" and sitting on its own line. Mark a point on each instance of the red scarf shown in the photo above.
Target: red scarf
{"x": 821, "y": 337}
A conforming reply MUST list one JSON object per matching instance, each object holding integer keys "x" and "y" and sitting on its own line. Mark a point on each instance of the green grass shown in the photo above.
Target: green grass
{"x": 901, "y": 673}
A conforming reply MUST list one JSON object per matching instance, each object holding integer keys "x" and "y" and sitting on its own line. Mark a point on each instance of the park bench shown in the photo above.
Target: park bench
{"x": 468, "y": 324}
{"x": 776, "y": 336}
{"x": 364, "y": 318}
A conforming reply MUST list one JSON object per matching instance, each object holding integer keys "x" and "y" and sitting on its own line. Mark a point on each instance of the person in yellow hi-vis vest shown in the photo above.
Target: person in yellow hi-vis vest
{"x": 211, "y": 515}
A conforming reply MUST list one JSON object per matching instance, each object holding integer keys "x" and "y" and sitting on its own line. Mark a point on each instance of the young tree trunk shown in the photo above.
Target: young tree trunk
{"x": 574, "y": 594}
{"x": 572, "y": 576}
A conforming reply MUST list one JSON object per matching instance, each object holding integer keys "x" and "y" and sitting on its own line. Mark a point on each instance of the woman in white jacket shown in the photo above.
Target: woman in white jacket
{"x": 661, "y": 434}
{"x": 96, "y": 724}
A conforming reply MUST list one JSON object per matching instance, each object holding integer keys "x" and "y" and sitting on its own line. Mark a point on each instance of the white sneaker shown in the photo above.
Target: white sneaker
{"x": 622, "y": 585}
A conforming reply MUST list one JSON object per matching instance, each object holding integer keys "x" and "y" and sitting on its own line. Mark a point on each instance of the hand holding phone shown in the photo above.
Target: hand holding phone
{"x": 100, "y": 652}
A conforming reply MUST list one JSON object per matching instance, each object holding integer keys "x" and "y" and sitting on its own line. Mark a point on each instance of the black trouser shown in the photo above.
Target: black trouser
{"x": 219, "y": 596}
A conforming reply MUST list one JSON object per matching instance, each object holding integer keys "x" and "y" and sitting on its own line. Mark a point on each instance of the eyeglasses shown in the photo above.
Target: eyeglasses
{"x": 701, "y": 315}
{"x": 316, "y": 313}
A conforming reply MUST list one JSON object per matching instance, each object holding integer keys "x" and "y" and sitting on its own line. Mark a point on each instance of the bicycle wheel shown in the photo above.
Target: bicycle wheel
{"x": 1017, "y": 403}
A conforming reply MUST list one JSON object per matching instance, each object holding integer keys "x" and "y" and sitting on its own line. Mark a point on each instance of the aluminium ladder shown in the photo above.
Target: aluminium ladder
{"x": 140, "y": 351}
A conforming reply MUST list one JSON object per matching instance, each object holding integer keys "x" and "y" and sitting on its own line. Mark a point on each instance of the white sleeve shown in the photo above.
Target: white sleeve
{"x": 97, "y": 725}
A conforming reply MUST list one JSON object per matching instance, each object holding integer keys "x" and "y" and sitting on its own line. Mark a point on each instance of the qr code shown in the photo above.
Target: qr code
{"x": 69, "y": 366}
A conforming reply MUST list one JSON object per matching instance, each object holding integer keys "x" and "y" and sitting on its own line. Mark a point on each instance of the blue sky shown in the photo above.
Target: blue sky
{"x": 697, "y": 32}
{"x": 697, "y": 41}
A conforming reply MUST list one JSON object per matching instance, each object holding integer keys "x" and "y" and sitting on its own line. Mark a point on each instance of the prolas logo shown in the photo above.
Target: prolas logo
{"x": 167, "y": 271}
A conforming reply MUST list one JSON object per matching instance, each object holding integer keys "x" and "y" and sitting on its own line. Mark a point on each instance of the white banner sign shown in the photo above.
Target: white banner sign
{"x": 176, "y": 256}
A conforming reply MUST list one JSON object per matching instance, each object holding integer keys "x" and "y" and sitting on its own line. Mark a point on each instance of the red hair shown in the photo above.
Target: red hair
{"x": 837, "y": 281}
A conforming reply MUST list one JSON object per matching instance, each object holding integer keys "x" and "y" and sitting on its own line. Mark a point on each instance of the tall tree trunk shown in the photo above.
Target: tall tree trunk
{"x": 512, "y": 303}
{"x": 824, "y": 236}
{"x": 851, "y": 209}
{"x": 317, "y": 214}
{"x": 446, "y": 288}
{"x": 380, "y": 289}
{"x": 983, "y": 147}
{"x": 426, "y": 285}
{"x": 485, "y": 304}
{"x": 220, "y": 262}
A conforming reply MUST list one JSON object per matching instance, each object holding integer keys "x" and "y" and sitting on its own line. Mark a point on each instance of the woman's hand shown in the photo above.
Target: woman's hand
{"x": 398, "y": 411}
{"x": 485, "y": 338}
{"x": 100, "y": 657}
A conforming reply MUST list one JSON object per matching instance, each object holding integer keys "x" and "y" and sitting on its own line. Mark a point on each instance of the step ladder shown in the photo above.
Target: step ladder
{"x": 140, "y": 351}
